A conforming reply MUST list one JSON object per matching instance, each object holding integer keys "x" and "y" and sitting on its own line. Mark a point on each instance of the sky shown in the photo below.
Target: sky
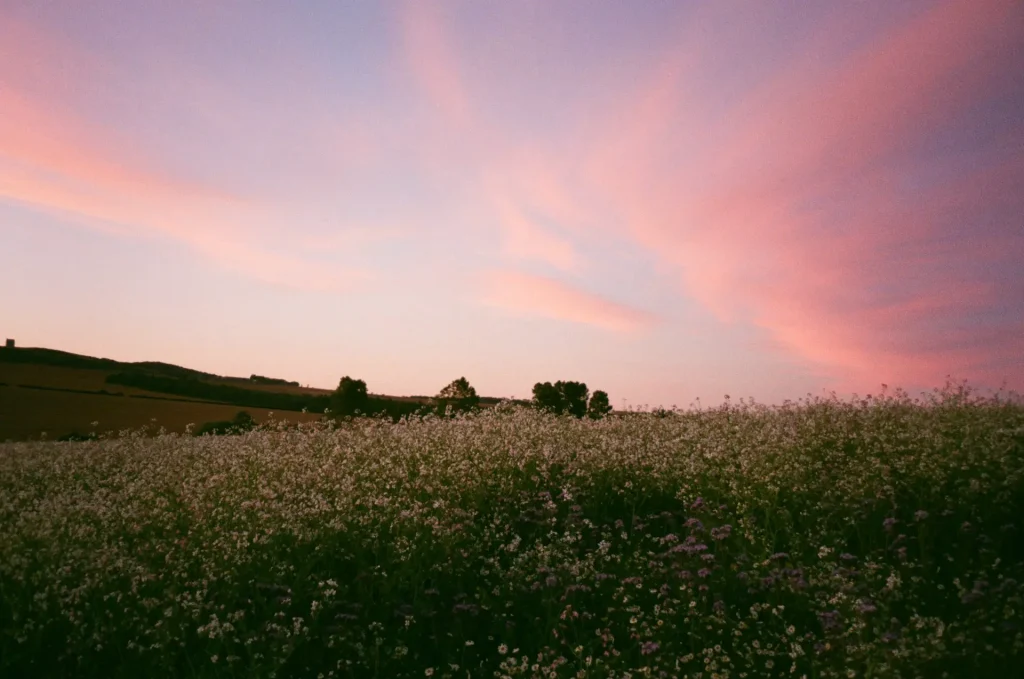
{"x": 666, "y": 200}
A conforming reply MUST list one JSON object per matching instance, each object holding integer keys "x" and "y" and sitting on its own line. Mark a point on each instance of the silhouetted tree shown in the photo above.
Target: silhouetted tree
{"x": 460, "y": 395}
{"x": 243, "y": 422}
{"x": 561, "y": 397}
{"x": 547, "y": 396}
{"x": 574, "y": 397}
{"x": 350, "y": 397}
{"x": 599, "y": 405}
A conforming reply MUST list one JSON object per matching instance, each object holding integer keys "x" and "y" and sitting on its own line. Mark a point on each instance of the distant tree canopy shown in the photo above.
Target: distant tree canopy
{"x": 243, "y": 422}
{"x": 547, "y": 397}
{"x": 459, "y": 395}
{"x": 260, "y": 379}
{"x": 599, "y": 405}
{"x": 350, "y": 398}
{"x": 569, "y": 397}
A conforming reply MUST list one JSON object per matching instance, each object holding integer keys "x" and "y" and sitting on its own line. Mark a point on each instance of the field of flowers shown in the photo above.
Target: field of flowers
{"x": 871, "y": 538}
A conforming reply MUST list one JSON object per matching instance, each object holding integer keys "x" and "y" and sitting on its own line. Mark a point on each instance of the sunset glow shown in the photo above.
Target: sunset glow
{"x": 663, "y": 200}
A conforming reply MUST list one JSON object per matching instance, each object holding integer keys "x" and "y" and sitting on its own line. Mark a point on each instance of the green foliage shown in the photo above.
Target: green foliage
{"x": 562, "y": 397}
{"x": 459, "y": 396}
{"x": 75, "y": 436}
{"x": 350, "y": 398}
{"x": 547, "y": 397}
{"x": 574, "y": 397}
{"x": 260, "y": 379}
{"x": 243, "y": 422}
{"x": 599, "y": 405}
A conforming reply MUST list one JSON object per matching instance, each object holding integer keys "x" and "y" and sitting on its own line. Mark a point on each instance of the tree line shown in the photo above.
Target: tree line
{"x": 352, "y": 399}
{"x": 561, "y": 398}
{"x": 572, "y": 398}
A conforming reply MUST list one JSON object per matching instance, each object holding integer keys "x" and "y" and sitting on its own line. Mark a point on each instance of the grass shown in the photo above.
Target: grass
{"x": 875, "y": 538}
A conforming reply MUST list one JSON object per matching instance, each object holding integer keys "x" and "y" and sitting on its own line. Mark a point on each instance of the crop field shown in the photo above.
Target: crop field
{"x": 59, "y": 377}
{"x": 90, "y": 379}
{"x": 26, "y": 413}
{"x": 870, "y": 538}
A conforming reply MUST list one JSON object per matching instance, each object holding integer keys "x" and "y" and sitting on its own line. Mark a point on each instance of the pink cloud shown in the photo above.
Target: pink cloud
{"x": 524, "y": 239}
{"x": 788, "y": 209}
{"x": 792, "y": 210}
{"x": 429, "y": 54}
{"x": 519, "y": 188}
{"x": 528, "y": 295}
{"x": 54, "y": 160}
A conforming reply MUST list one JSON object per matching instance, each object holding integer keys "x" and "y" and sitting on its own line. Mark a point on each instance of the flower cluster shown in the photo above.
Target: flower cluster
{"x": 819, "y": 538}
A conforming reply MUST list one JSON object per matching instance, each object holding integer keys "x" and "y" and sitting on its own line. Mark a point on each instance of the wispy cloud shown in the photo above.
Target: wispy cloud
{"x": 53, "y": 159}
{"x": 430, "y": 55}
{"x": 808, "y": 209}
{"x": 529, "y": 295}
{"x": 525, "y": 239}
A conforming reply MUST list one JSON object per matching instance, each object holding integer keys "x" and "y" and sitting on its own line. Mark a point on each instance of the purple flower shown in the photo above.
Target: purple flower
{"x": 920, "y": 515}
{"x": 551, "y": 581}
{"x": 698, "y": 503}
{"x": 847, "y": 557}
{"x": 830, "y": 620}
{"x": 866, "y": 607}
{"x": 721, "y": 533}
{"x": 779, "y": 556}
{"x": 889, "y": 523}
{"x": 707, "y": 557}
{"x": 650, "y": 647}
{"x": 703, "y": 573}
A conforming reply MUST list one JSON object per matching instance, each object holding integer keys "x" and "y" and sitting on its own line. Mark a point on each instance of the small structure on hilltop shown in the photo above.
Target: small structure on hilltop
{"x": 9, "y": 344}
